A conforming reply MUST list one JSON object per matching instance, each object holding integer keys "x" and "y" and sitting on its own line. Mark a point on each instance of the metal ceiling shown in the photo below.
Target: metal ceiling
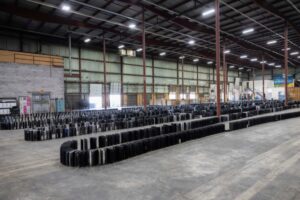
{"x": 170, "y": 24}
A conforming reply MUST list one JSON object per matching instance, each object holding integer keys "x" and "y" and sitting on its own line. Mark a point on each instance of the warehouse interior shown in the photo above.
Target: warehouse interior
{"x": 150, "y": 99}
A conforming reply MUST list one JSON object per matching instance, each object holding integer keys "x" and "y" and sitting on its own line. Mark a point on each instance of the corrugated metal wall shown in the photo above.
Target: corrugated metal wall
{"x": 92, "y": 71}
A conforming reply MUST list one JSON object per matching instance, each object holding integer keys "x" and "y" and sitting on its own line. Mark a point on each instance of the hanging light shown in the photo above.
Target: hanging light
{"x": 272, "y": 42}
{"x": 248, "y": 30}
{"x": 227, "y": 51}
{"x": 65, "y": 7}
{"x": 132, "y": 26}
{"x": 208, "y": 12}
{"x": 87, "y": 40}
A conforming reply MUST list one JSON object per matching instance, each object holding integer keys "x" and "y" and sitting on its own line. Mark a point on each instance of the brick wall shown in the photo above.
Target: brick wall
{"x": 22, "y": 79}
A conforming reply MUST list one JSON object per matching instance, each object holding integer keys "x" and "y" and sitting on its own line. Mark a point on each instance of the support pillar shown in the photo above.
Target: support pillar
{"x": 263, "y": 78}
{"x": 182, "y": 77}
{"x": 286, "y": 69}
{"x": 224, "y": 75}
{"x": 153, "y": 83}
{"x": 70, "y": 54}
{"x": 122, "y": 81}
{"x": 217, "y": 23}
{"x": 144, "y": 59}
{"x": 253, "y": 87}
{"x": 104, "y": 66}
{"x": 79, "y": 63}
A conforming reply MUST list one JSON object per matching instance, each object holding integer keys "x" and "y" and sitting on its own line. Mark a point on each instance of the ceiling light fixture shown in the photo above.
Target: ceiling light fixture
{"x": 208, "y": 12}
{"x": 249, "y": 30}
{"x": 191, "y": 42}
{"x": 87, "y": 40}
{"x": 262, "y": 62}
{"x": 196, "y": 60}
{"x": 241, "y": 68}
{"x": 66, "y": 7}
{"x": 132, "y": 26}
{"x": 243, "y": 56}
{"x": 181, "y": 57}
{"x": 162, "y": 53}
{"x": 227, "y": 51}
{"x": 210, "y": 62}
{"x": 272, "y": 42}
{"x": 278, "y": 66}
{"x": 231, "y": 67}
{"x": 271, "y": 64}
{"x": 287, "y": 49}
{"x": 139, "y": 49}
{"x": 294, "y": 53}
{"x": 253, "y": 59}
{"x": 121, "y": 46}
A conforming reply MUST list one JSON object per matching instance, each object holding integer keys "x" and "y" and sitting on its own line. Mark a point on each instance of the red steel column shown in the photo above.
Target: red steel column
{"x": 253, "y": 77}
{"x": 182, "y": 79}
{"x": 286, "y": 69}
{"x": 104, "y": 66}
{"x": 79, "y": 63}
{"x": 144, "y": 59}
{"x": 122, "y": 81}
{"x": 217, "y": 21}
{"x": 263, "y": 77}
{"x": 153, "y": 83}
{"x": 224, "y": 75}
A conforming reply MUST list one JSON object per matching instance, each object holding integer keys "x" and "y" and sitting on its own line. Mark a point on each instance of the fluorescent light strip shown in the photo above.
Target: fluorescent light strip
{"x": 65, "y": 7}
{"x": 132, "y": 26}
{"x": 253, "y": 59}
{"x": 181, "y": 57}
{"x": 162, "y": 54}
{"x": 271, "y": 64}
{"x": 278, "y": 66}
{"x": 208, "y": 12}
{"x": 272, "y": 42}
{"x": 227, "y": 51}
{"x": 191, "y": 42}
{"x": 121, "y": 46}
{"x": 210, "y": 62}
{"x": 196, "y": 60}
{"x": 231, "y": 67}
{"x": 87, "y": 40}
{"x": 139, "y": 49}
{"x": 243, "y": 56}
{"x": 249, "y": 30}
{"x": 240, "y": 68}
{"x": 294, "y": 53}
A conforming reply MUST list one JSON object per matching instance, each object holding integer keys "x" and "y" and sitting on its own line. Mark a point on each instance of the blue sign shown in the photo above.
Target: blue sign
{"x": 279, "y": 80}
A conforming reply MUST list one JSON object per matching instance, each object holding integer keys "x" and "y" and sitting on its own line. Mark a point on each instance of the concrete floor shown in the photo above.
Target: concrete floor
{"x": 261, "y": 162}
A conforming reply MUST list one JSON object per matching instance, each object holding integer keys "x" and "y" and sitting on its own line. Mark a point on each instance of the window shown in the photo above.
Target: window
{"x": 182, "y": 96}
{"x": 192, "y": 95}
{"x": 115, "y": 100}
{"x": 172, "y": 95}
{"x": 95, "y": 102}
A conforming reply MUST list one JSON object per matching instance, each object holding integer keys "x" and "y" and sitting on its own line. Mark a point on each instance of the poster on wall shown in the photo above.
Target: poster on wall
{"x": 279, "y": 80}
{"x": 25, "y": 105}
